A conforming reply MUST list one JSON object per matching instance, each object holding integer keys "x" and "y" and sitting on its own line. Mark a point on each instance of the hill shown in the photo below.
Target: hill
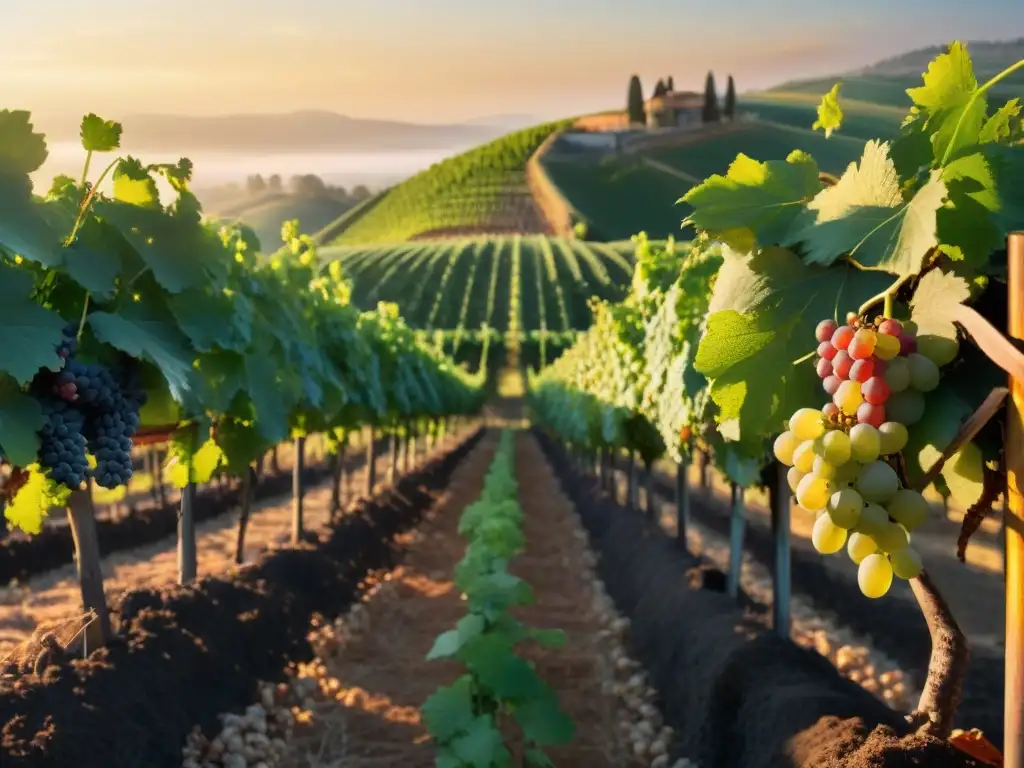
{"x": 266, "y": 216}
{"x": 482, "y": 190}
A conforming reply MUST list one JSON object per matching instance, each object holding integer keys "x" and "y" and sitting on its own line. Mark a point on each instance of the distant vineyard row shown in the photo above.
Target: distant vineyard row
{"x": 471, "y": 282}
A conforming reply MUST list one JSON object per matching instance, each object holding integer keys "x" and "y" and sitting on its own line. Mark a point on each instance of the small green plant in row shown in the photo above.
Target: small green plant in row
{"x": 498, "y": 686}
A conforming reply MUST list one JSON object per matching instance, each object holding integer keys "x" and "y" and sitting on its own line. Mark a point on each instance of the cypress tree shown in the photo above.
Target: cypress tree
{"x": 659, "y": 88}
{"x": 729, "y": 109}
{"x": 670, "y": 84}
{"x": 711, "y": 114}
{"x": 635, "y": 101}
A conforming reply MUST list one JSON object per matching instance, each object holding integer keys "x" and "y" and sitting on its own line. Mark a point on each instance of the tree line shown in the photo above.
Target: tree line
{"x": 307, "y": 185}
{"x": 637, "y": 111}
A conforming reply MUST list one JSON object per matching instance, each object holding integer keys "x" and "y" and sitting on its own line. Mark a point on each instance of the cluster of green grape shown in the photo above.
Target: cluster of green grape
{"x": 839, "y": 471}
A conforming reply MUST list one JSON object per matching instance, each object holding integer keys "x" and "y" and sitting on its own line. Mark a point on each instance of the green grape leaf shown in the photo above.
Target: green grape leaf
{"x": 213, "y": 319}
{"x": 99, "y": 135}
{"x": 830, "y": 114}
{"x": 449, "y": 711}
{"x": 91, "y": 259}
{"x": 142, "y": 333}
{"x": 31, "y": 504}
{"x": 543, "y": 721}
{"x": 999, "y": 126}
{"x": 21, "y": 418}
{"x": 160, "y": 409}
{"x": 935, "y": 302}
{"x": 481, "y": 746}
{"x": 134, "y": 185}
{"x": 964, "y": 473}
{"x": 445, "y": 645}
{"x": 762, "y": 317}
{"x": 548, "y": 638}
{"x": 754, "y": 203}
{"x": 266, "y": 396}
{"x": 534, "y": 757}
{"x": 966, "y": 226}
{"x": 864, "y": 216}
{"x": 222, "y": 376}
{"x": 31, "y": 333}
{"x": 241, "y": 444}
{"x": 945, "y": 410}
{"x": 22, "y": 150}
{"x": 953, "y": 108}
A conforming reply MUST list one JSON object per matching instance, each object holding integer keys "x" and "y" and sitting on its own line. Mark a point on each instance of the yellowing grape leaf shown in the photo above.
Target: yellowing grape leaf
{"x": 864, "y": 216}
{"x": 32, "y": 502}
{"x": 999, "y": 126}
{"x": 754, "y": 203}
{"x": 762, "y": 316}
{"x": 830, "y": 114}
{"x": 21, "y": 418}
{"x": 134, "y": 185}
{"x": 934, "y": 303}
{"x": 964, "y": 473}
{"x": 954, "y": 111}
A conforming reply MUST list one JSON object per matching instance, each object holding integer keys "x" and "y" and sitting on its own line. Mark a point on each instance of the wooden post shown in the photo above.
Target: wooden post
{"x": 82, "y": 521}
{"x": 245, "y": 507}
{"x": 778, "y": 494}
{"x": 737, "y": 529}
{"x": 158, "y": 478}
{"x": 187, "y": 567}
{"x": 298, "y": 491}
{"x": 337, "y": 466}
{"x": 704, "y": 461}
{"x": 649, "y": 505}
{"x": 632, "y": 492}
{"x": 394, "y": 449}
{"x": 371, "y": 463}
{"x": 1013, "y": 712}
{"x": 407, "y": 462}
{"x": 683, "y": 503}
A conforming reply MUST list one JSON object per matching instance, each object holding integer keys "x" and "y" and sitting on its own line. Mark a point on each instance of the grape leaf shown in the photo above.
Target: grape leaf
{"x": 762, "y": 316}
{"x": 935, "y": 301}
{"x": 32, "y": 502}
{"x": 21, "y": 418}
{"x": 449, "y": 711}
{"x": 481, "y": 746}
{"x": 142, "y": 333}
{"x": 953, "y": 109}
{"x": 754, "y": 203}
{"x": 966, "y": 227}
{"x": 271, "y": 409}
{"x": 192, "y": 466}
{"x": 22, "y": 150}
{"x": 945, "y": 410}
{"x": 999, "y": 126}
{"x": 830, "y": 114}
{"x": 964, "y": 474}
{"x": 134, "y": 185}
{"x": 864, "y": 216}
{"x": 543, "y": 721}
{"x": 212, "y": 319}
{"x": 99, "y": 135}
{"x": 241, "y": 444}
{"x": 24, "y": 231}
{"x": 31, "y": 333}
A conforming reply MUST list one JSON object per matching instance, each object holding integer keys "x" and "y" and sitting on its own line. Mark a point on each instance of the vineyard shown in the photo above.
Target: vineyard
{"x": 482, "y": 190}
{"x": 297, "y": 533}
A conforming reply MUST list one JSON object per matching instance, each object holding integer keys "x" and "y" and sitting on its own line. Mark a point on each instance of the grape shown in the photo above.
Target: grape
{"x": 890, "y": 327}
{"x": 860, "y": 546}
{"x": 826, "y": 537}
{"x": 924, "y": 374}
{"x": 865, "y": 443}
{"x": 909, "y": 329}
{"x": 897, "y": 374}
{"x": 847, "y": 473}
{"x": 793, "y": 477}
{"x": 841, "y": 364}
{"x": 848, "y": 397}
{"x": 785, "y": 445}
{"x": 873, "y": 520}
{"x": 825, "y": 330}
{"x": 874, "y": 575}
{"x": 892, "y": 538}
{"x": 824, "y": 368}
{"x": 842, "y": 337}
{"x": 813, "y": 493}
{"x": 878, "y": 482}
{"x": 908, "y": 345}
{"x": 826, "y": 351}
{"x": 828, "y": 410}
{"x": 875, "y": 390}
{"x": 879, "y": 365}
{"x": 831, "y": 384}
{"x": 906, "y": 563}
{"x": 871, "y": 414}
{"x": 844, "y": 507}
{"x": 939, "y": 350}
{"x": 863, "y": 344}
{"x": 908, "y": 508}
{"x": 803, "y": 456}
{"x": 862, "y": 370}
{"x": 836, "y": 447}
{"x": 823, "y": 469}
{"x": 61, "y": 444}
{"x": 894, "y": 437}
{"x": 887, "y": 347}
{"x": 906, "y": 407}
{"x": 807, "y": 424}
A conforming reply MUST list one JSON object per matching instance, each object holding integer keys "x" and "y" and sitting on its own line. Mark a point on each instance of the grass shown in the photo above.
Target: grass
{"x": 266, "y": 217}
{"x": 861, "y": 120}
{"x": 484, "y": 187}
{"x": 470, "y": 282}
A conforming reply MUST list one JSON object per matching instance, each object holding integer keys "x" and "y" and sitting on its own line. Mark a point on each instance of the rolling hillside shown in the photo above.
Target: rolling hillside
{"x": 482, "y": 190}
{"x": 469, "y": 282}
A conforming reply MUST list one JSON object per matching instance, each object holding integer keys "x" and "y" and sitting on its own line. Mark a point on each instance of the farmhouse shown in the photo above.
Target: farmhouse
{"x": 674, "y": 109}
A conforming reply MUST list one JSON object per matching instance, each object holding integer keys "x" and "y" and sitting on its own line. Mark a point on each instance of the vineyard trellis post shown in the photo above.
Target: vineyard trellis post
{"x": 1013, "y": 713}
{"x": 158, "y": 477}
{"x": 395, "y": 451}
{"x": 245, "y": 507}
{"x": 631, "y": 490}
{"x": 187, "y": 566}
{"x": 683, "y": 501}
{"x": 705, "y": 460}
{"x": 737, "y": 529}
{"x": 371, "y": 462}
{"x": 298, "y": 492}
{"x": 778, "y": 494}
{"x": 82, "y": 521}
{"x": 649, "y": 502}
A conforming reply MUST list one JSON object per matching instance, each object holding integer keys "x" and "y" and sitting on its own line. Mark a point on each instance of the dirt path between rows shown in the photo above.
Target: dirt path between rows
{"x": 55, "y": 595}
{"x": 365, "y": 712}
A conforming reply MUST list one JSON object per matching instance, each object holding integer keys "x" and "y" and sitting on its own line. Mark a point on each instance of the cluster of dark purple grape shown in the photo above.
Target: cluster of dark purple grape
{"x": 88, "y": 407}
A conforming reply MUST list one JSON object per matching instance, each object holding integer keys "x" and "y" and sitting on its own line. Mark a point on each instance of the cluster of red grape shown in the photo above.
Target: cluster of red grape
{"x": 873, "y": 372}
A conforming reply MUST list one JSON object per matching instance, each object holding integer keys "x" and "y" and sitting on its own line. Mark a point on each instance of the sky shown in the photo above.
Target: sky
{"x": 442, "y": 61}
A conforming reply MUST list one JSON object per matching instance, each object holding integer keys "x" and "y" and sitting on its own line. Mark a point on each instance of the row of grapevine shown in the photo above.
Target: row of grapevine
{"x": 810, "y": 319}
{"x": 129, "y": 319}
{"x": 441, "y": 283}
{"x": 483, "y": 187}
